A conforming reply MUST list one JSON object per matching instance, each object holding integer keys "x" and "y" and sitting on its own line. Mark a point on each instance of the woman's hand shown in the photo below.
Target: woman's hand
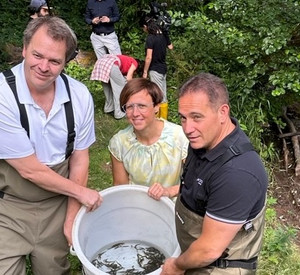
{"x": 156, "y": 191}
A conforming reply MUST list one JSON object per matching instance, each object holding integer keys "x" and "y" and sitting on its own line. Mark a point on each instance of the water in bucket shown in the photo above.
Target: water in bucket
{"x": 129, "y": 257}
{"x": 127, "y": 215}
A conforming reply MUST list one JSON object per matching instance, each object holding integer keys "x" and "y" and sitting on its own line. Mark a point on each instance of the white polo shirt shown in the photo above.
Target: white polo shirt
{"x": 48, "y": 135}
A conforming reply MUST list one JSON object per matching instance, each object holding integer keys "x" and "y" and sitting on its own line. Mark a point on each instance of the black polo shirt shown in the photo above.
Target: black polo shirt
{"x": 235, "y": 192}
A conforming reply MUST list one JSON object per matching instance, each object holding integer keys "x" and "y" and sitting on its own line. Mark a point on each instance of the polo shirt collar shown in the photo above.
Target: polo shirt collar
{"x": 61, "y": 95}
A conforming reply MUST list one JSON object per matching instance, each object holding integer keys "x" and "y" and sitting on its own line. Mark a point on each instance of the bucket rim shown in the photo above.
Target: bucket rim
{"x": 82, "y": 211}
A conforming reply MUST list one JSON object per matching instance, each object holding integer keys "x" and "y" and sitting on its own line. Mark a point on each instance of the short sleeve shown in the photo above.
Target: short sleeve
{"x": 236, "y": 191}
{"x": 184, "y": 143}
{"x": 114, "y": 147}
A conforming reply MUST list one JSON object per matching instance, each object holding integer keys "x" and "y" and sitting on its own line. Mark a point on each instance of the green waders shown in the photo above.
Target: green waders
{"x": 245, "y": 246}
{"x": 31, "y": 223}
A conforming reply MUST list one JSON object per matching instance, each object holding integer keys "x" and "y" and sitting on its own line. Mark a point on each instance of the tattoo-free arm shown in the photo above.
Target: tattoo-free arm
{"x": 148, "y": 60}
{"x": 120, "y": 175}
{"x": 130, "y": 72}
{"x": 78, "y": 165}
{"x": 33, "y": 170}
{"x": 214, "y": 239}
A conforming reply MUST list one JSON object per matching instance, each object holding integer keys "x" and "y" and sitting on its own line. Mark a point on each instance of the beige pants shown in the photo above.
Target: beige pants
{"x": 35, "y": 229}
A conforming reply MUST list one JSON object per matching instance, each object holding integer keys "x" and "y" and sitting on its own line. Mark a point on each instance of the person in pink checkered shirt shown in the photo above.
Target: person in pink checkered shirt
{"x": 114, "y": 71}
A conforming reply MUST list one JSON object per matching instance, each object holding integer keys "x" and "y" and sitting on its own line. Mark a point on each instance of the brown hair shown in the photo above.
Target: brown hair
{"x": 213, "y": 86}
{"x": 138, "y": 84}
{"x": 57, "y": 29}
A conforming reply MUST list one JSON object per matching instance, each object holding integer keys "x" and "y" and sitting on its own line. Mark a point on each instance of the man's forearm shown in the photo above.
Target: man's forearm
{"x": 185, "y": 262}
{"x": 196, "y": 256}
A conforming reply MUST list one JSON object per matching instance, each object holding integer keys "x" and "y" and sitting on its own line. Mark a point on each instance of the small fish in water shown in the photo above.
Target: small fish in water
{"x": 129, "y": 259}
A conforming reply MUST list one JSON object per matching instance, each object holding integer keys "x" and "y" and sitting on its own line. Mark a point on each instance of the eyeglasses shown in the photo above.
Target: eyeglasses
{"x": 128, "y": 108}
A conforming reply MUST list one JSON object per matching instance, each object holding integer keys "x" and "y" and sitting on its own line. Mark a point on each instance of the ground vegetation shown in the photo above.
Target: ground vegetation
{"x": 253, "y": 45}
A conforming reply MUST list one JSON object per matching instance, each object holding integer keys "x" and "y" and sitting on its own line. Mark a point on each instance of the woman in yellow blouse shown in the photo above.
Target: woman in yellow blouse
{"x": 151, "y": 150}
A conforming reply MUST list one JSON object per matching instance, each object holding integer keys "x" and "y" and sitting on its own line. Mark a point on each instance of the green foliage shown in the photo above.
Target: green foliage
{"x": 73, "y": 13}
{"x": 278, "y": 243}
{"x": 76, "y": 265}
{"x": 279, "y": 255}
{"x": 13, "y": 21}
{"x": 253, "y": 45}
{"x": 83, "y": 74}
{"x": 133, "y": 45}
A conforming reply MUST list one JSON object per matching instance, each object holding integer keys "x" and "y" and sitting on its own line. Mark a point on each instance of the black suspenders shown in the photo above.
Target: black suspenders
{"x": 70, "y": 119}
{"x": 11, "y": 81}
{"x": 231, "y": 152}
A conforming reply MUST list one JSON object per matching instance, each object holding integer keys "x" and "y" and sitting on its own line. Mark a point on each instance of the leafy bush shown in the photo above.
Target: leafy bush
{"x": 252, "y": 45}
{"x": 279, "y": 255}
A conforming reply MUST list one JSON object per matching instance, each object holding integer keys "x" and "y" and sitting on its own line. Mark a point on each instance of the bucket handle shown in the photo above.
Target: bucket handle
{"x": 72, "y": 251}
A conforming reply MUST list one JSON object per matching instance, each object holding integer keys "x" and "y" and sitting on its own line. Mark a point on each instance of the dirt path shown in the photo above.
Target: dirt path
{"x": 287, "y": 187}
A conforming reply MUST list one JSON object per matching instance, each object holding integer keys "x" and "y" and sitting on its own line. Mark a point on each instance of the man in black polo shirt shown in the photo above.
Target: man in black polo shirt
{"x": 221, "y": 206}
{"x": 102, "y": 15}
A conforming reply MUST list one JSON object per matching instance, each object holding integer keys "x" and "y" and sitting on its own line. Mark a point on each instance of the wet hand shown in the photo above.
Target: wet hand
{"x": 170, "y": 268}
{"x": 92, "y": 199}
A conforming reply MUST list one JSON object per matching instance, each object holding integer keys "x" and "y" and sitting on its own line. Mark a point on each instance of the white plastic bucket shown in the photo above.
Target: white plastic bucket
{"x": 127, "y": 213}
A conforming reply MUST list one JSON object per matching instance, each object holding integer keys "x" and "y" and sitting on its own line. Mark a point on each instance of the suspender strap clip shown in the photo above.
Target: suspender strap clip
{"x": 70, "y": 144}
{"x": 71, "y": 137}
{"x": 10, "y": 77}
{"x": 235, "y": 150}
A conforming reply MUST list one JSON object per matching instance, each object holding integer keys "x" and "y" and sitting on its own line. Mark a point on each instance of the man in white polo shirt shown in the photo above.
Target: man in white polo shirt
{"x": 46, "y": 129}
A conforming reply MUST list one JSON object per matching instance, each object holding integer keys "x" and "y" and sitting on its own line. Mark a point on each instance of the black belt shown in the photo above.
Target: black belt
{"x": 1, "y": 194}
{"x": 246, "y": 264}
{"x": 102, "y": 33}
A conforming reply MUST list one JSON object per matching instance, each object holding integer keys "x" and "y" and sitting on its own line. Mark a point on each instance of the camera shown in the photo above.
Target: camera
{"x": 159, "y": 14}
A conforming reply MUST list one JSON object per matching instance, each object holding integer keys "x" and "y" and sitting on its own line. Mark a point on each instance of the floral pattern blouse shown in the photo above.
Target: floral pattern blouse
{"x": 159, "y": 162}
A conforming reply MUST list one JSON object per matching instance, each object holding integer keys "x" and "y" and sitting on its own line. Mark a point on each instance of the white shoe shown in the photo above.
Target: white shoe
{"x": 120, "y": 116}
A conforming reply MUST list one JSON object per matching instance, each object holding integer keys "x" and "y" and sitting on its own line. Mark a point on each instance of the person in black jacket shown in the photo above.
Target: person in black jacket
{"x": 102, "y": 15}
